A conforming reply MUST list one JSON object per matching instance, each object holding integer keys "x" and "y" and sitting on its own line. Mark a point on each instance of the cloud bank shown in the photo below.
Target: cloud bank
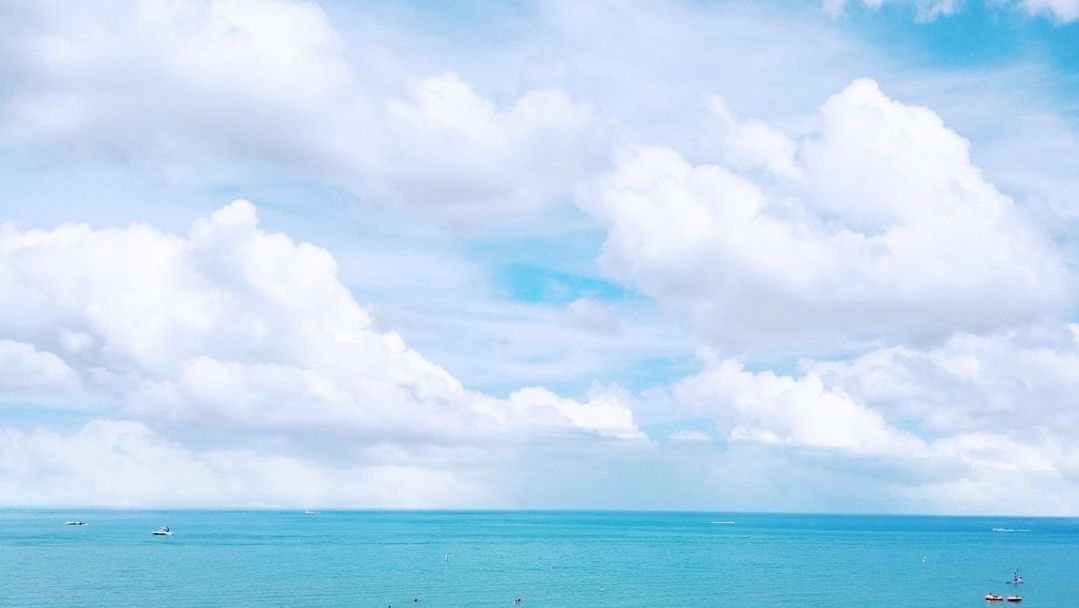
{"x": 881, "y": 288}
{"x": 229, "y": 329}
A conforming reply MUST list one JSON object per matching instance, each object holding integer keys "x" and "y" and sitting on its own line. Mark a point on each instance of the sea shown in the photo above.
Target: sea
{"x": 441, "y": 559}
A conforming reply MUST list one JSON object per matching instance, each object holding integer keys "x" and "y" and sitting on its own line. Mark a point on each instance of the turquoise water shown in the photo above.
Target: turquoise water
{"x": 480, "y": 559}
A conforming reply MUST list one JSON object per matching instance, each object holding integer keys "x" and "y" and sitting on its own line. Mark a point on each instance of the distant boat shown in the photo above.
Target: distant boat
{"x": 163, "y": 531}
{"x": 1014, "y": 599}
{"x": 74, "y": 523}
{"x": 1017, "y": 579}
{"x": 989, "y": 597}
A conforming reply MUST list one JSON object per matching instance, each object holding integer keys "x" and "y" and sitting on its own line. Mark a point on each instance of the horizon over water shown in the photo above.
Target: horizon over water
{"x": 375, "y": 559}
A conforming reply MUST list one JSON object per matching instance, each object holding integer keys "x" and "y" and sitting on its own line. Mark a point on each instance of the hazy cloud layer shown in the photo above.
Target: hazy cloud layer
{"x": 196, "y": 84}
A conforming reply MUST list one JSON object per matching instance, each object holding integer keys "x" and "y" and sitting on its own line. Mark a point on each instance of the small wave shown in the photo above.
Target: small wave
{"x": 727, "y": 523}
{"x": 1010, "y": 530}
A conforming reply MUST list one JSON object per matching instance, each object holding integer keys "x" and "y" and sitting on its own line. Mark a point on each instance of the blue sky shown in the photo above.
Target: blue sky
{"x": 774, "y": 256}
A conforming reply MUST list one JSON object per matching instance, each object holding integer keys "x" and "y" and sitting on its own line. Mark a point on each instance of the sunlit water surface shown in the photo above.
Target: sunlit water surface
{"x": 486, "y": 559}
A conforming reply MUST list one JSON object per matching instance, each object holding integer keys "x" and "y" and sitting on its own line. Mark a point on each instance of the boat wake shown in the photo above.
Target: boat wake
{"x": 727, "y": 523}
{"x": 1010, "y": 530}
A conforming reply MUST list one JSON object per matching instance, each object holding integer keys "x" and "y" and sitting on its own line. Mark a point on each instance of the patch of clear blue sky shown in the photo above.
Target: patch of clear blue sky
{"x": 554, "y": 268}
{"x": 531, "y": 283}
{"x": 549, "y": 268}
{"x": 535, "y": 283}
{"x": 655, "y": 371}
{"x": 979, "y": 35}
{"x": 26, "y": 413}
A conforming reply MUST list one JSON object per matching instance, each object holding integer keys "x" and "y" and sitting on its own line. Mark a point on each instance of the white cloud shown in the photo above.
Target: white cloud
{"x": 272, "y": 82}
{"x": 233, "y": 326}
{"x": 23, "y": 368}
{"x": 1061, "y": 10}
{"x": 903, "y": 436}
{"x": 883, "y": 229}
{"x": 927, "y": 10}
{"x": 605, "y": 412}
{"x": 768, "y": 408}
{"x": 1004, "y": 473}
{"x": 226, "y": 335}
{"x": 752, "y": 144}
{"x": 1017, "y": 382}
{"x": 950, "y": 424}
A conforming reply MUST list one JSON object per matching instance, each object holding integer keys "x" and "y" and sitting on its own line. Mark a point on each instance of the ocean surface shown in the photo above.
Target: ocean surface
{"x": 376, "y": 559}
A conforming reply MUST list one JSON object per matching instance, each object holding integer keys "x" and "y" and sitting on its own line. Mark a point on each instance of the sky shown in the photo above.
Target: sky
{"x": 733, "y": 256}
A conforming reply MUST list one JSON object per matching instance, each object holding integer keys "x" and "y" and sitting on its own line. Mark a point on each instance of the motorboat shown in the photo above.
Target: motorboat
{"x": 989, "y": 597}
{"x": 1015, "y": 599}
{"x": 74, "y": 523}
{"x": 162, "y": 531}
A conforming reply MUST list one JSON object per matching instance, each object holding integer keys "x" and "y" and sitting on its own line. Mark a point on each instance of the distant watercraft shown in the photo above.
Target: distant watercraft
{"x": 1014, "y": 599}
{"x": 163, "y": 531}
{"x": 74, "y": 523}
{"x": 1017, "y": 579}
{"x": 989, "y": 597}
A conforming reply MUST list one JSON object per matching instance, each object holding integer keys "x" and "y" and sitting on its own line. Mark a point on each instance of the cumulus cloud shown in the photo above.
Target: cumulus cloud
{"x": 24, "y": 368}
{"x": 876, "y": 226}
{"x": 230, "y": 325}
{"x": 1016, "y": 382}
{"x": 1003, "y": 473}
{"x": 271, "y": 81}
{"x": 250, "y": 373}
{"x": 950, "y": 424}
{"x": 768, "y": 408}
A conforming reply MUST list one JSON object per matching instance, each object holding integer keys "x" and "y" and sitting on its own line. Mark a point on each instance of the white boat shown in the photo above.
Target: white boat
{"x": 163, "y": 531}
{"x": 74, "y": 523}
